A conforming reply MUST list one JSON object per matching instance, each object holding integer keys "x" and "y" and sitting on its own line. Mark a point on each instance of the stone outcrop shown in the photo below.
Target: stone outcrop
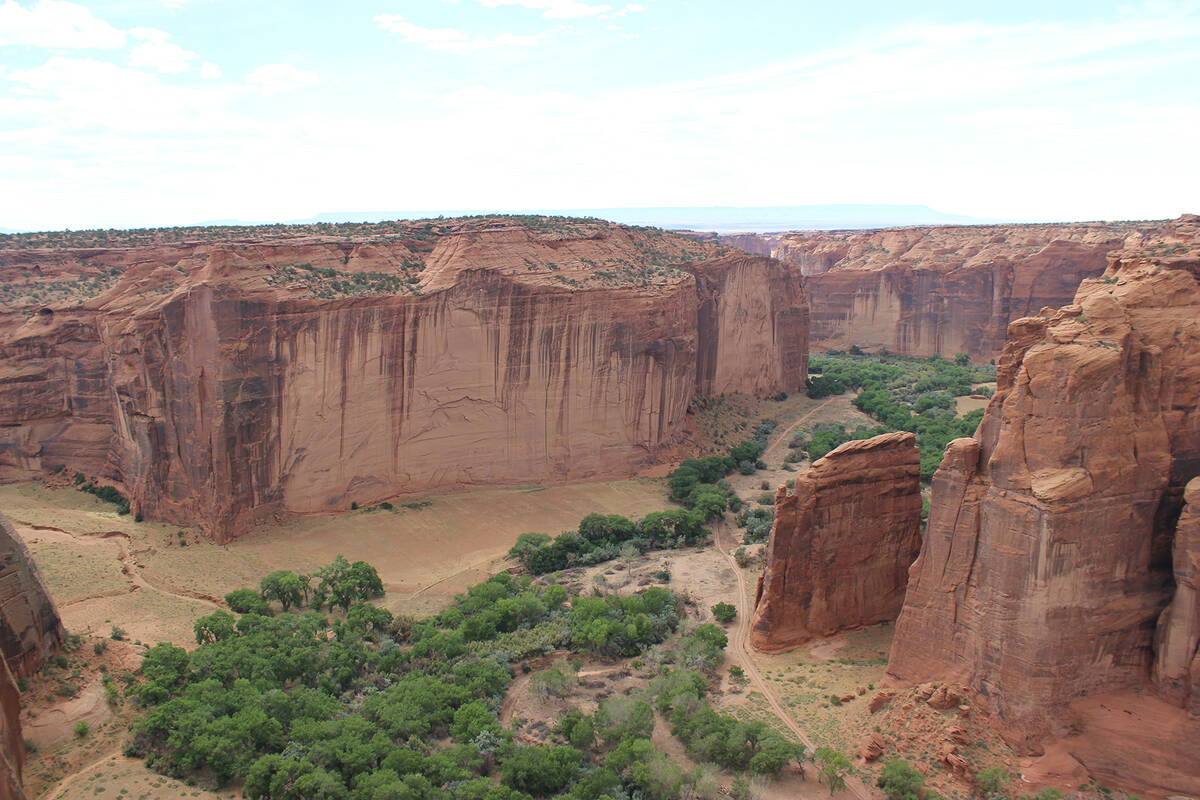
{"x": 1177, "y": 639}
{"x": 1047, "y": 562}
{"x": 30, "y": 634}
{"x": 839, "y": 552}
{"x": 218, "y": 382}
{"x": 30, "y": 630}
{"x": 952, "y": 289}
{"x": 12, "y": 744}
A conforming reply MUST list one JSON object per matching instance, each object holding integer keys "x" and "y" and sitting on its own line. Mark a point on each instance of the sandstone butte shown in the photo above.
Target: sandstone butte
{"x": 924, "y": 290}
{"x": 839, "y": 553}
{"x": 1057, "y": 577}
{"x": 228, "y": 375}
{"x": 30, "y": 634}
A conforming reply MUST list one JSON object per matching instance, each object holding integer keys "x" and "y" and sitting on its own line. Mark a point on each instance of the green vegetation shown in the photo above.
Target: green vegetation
{"x": 758, "y": 522}
{"x": 106, "y": 493}
{"x": 715, "y": 737}
{"x": 724, "y": 612}
{"x": 834, "y": 766}
{"x": 364, "y": 706}
{"x": 904, "y": 394}
{"x": 900, "y": 780}
{"x": 43, "y": 292}
{"x": 327, "y": 282}
{"x": 601, "y": 537}
{"x": 992, "y": 783}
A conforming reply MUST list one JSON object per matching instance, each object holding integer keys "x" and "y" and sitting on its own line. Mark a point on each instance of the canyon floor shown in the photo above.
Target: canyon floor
{"x": 151, "y": 581}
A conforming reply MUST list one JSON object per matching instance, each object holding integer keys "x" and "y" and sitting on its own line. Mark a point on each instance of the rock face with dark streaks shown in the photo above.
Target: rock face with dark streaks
{"x": 839, "y": 552}
{"x": 219, "y": 382}
{"x": 1057, "y": 566}
{"x": 948, "y": 290}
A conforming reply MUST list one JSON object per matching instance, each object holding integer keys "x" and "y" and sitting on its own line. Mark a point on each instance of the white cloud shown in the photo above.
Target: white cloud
{"x": 552, "y": 9}
{"x": 210, "y": 71}
{"x": 278, "y": 78}
{"x": 156, "y": 52}
{"x": 448, "y": 40}
{"x": 630, "y": 8}
{"x": 54, "y": 23}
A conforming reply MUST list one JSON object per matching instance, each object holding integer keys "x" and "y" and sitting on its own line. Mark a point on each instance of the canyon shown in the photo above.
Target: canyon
{"x": 839, "y": 552}
{"x": 942, "y": 289}
{"x": 1057, "y": 577}
{"x": 225, "y": 378}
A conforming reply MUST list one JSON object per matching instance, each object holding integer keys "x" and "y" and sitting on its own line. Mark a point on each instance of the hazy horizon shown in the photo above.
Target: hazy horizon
{"x": 151, "y": 113}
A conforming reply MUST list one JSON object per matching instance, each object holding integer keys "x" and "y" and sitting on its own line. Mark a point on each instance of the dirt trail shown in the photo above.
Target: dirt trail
{"x": 739, "y": 652}
{"x": 129, "y": 567}
{"x": 786, "y": 436}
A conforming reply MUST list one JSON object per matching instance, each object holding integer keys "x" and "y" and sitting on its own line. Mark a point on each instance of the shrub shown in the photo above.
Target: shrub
{"x": 900, "y": 781}
{"x": 81, "y": 730}
{"x": 724, "y": 612}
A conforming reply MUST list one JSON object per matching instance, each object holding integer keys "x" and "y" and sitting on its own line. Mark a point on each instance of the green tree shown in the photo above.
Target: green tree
{"x": 992, "y": 782}
{"x": 284, "y": 587}
{"x": 247, "y": 601}
{"x": 541, "y": 771}
{"x": 724, "y": 612}
{"x": 900, "y": 780}
{"x": 215, "y": 627}
{"x": 833, "y": 768}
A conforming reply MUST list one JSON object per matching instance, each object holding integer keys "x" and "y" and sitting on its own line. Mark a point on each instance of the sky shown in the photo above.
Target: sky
{"x": 132, "y": 113}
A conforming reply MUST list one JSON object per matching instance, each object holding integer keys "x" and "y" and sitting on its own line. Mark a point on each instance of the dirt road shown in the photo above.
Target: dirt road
{"x": 739, "y": 652}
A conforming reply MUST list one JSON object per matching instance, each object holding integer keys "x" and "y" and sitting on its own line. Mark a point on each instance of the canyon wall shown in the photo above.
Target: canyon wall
{"x": 220, "y": 382}
{"x": 12, "y": 744}
{"x": 843, "y": 541}
{"x": 30, "y": 630}
{"x": 954, "y": 289}
{"x": 30, "y": 634}
{"x": 1047, "y": 563}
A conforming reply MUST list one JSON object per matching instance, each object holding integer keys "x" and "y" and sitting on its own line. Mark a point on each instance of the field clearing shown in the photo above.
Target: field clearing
{"x": 154, "y": 580}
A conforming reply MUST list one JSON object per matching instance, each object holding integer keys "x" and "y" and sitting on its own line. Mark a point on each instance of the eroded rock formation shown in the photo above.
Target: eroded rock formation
{"x": 839, "y": 552}
{"x": 30, "y": 629}
{"x": 1177, "y": 639}
{"x": 925, "y": 290}
{"x": 220, "y": 381}
{"x": 1047, "y": 562}
{"x": 30, "y": 634}
{"x": 12, "y": 744}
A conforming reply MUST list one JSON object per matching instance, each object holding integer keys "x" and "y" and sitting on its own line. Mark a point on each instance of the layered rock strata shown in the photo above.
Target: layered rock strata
{"x": 1047, "y": 563}
{"x": 839, "y": 553}
{"x": 948, "y": 290}
{"x": 217, "y": 382}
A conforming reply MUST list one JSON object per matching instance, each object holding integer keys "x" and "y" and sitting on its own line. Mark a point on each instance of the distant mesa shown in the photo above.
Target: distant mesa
{"x": 948, "y": 290}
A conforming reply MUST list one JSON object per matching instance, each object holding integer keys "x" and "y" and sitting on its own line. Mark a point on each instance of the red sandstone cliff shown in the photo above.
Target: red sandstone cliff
{"x": 839, "y": 552}
{"x": 954, "y": 289}
{"x": 30, "y": 633}
{"x": 220, "y": 381}
{"x": 1047, "y": 562}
